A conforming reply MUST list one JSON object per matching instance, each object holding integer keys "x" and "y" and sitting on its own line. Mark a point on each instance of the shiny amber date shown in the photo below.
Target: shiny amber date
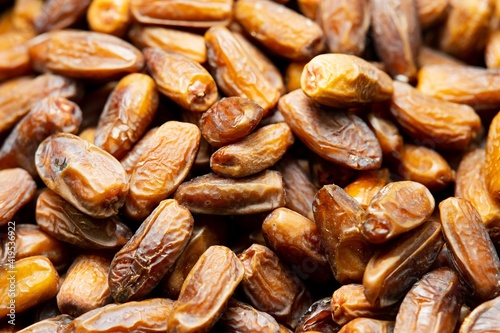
{"x": 17, "y": 188}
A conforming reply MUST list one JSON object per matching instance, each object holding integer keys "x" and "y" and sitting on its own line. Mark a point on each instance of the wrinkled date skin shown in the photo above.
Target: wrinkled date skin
{"x": 365, "y": 325}
{"x": 196, "y": 91}
{"x": 472, "y": 251}
{"x": 256, "y": 152}
{"x": 240, "y": 317}
{"x": 337, "y": 216}
{"x": 49, "y": 116}
{"x": 387, "y": 134}
{"x": 212, "y": 194}
{"x": 272, "y": 287}
{"x": 318, "y": 318}
{"x": 57, "y": 15}
{"x": 343, "y": 81}
{"x": 86, "y": 176}
{"x": 129, "y": 161}
{"x": 432, "y": 305}
{"x": 127, "y": 114}
{"x": 492, "y": 158}
{"x": 367, "y": 185}
{"x": 16, "y": 190}
{"x": 109, "y": 16}
{"x": 206, "y": 291}
{"x": 84, "y": 54}
{"x": 58, "y": 324}
{"x": 397, "y": 208}
{"x": 230, "y": 120}
{"x": 166, "y": 161}
{"x": 336, "y": 135}
{"x": 61, "y": 220}
{"x": 483, "y": 318}
{"x": 141, "y": 263}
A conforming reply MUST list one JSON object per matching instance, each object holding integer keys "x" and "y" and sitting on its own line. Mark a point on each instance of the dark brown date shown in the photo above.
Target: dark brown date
{"x": 239, "y": 317}
{"x": 318, "y": 318}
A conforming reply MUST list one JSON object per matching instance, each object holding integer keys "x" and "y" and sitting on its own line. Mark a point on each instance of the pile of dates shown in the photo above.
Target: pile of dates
{"x": 249, "y": 166}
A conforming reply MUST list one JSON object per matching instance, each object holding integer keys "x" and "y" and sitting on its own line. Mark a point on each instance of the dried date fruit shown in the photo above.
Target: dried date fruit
{"x": 16, "y": 190}
{"x": 203, "y": 298}
{"x": 239, "y": 317}
{"x": 365, "y": 325}
{"x": 309, "y": 8}
{"x": 141, "y": 263}
{"x": 338, "y": 136}
{"x": 492, "y": 157}
{"x": 109, "y": 16}
{"x": 431, "y": 12}
{"x": 162, "y": 167}
{"x": 492, "y": 51}
{"x": 212, "y": 194}
{"x": 293, "y": 73}
{"x": 318, "y": 318}
{"x": 14, "y": 56}
{"x": 428, "y": 56}
{"x": 58, "y": 324}
{"x": 127, "y": 114}
{"x": 484, "y": 318}
{"x": 196, "y": 91}
{"x": 129, "y": 161}
{"x": 367, "y": 185}
{"x": 344, "y": 81}
{"x": 387, "y": 134}
{"x": 57, "y": 14}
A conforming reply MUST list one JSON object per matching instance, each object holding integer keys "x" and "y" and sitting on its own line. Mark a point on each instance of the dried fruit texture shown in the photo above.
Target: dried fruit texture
{"x": 240, "y": 317}
{"x": 492, "y": 158}
{"x": 367, "y": 185}
{"x": 14, "y": 56}
{"x": 397, "y": 208}
{"x": 255, "y": 153}
{"x": 440, "y": 124}
{"x": 196, "y": 91}
{"x": 88, "y": 177}
{"x": 396, "y": 31}
{"x": 318, "y": 318}
{"x": 234, "y": 70}
{"x": 85, "y": 286}
{"x": 466, "y": 41}
{"x": 203, "y": 297}
{"x": 280, "y": 29}
{"x": 296, "y": 240}
{"x": 109, "y": 16}
{"x": 35, "y": 280}
{"x": 473, "y": 86}
{"x": 130, "y": 160}
{"x": 272, "y": 287}
{"x": 428, "y": 56}
{"x": 202, "y": 161}
{"x": 392, "y": 271}
{"x": 185, "y": 43}
{"x": 148, "y": 316}
{"x": 344, "y": 81}
{"x": 473, "y": 253}
{"x": 212, "y": 194}
{"x": 484, "y": 318}
{"x": 84, "y": 54}
{"x": 127, "y": 114}
{"x": 293, "y": 73}
{"x": 492, "y": 51}
{"x": 338, "y": 136}
{"x": 345, "y": 25}
{"x": 471, "y": 186}
{"x": 387, "y": 134}
{"x": 431, "y": 12}
{"x": 166, "y": 161}
{"x": 349, "y": 302}
{"x": 58, "y": 324}
{"x": 426, "y": 166}
{"x": 19, "y": 97}
{"x": 432, "y": 305}
{"x": 337, "y": 216}
{"x": 230, "y": 120}
{"x": 16, "y": 190}
{"x": 363, "y": 325}
{"x": 327, "y": 173}
{"x": 61, "y": 220}
{"x": 141, "y": 263}
{"x": 182, "y": 13}
{"x": 309, "y": 8}
{"x": 49, "y": 116}
{"x": 57, "y": 14}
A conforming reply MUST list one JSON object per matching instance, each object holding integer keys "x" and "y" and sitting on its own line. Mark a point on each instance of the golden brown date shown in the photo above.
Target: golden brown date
{"x": 182, "y": 13}
{"x": 432, "y": 305}
{"x": 484, "y": 318}
{"x": 109, "y": 16}
{"x": 338, "y": 136}
{"x": 492, "y": 50}
{"x": 442, "y": 124}
{"x": 492, "y": 158}
{"x": 127, "y": 114}
{"x": 84, "y": 54}
{"x": 230, "y": 120}
{"x": 344, "y": 81}
{"x": 203, "y": 297}
{"x": 85, "y": 286}
{"x": 392, "y": 271}
{"x": 473, "y": 253}
{"x": 272, "y": 287}
{"x": 428, "y": 56}
{"x": 293, "y": 73}
{"x": 196, "y": 91}
{"x": 49, "y": 116}
{"x": 212, "y": 194}
{"x": 88, "y": 177}
{"x": 57, "y": 15}
{"x": 367, "y": 185}
{"x": 148, "y": 316}
{"x": 165, "y": 162}
{"x": 337, "y": 216}
{"x": 130, "y": 160}
{"x": 16, "y": 190}
{"x": 61, "y": 220}
{"x": 58, "y": 324}
{"x": 309, "y": 8}
{"x": 387, "y": 134}
{"x": 14, "y": 56}
{"x": 318, "y": 318}
{"x": 368, "y": 325}
{"x": 431, "y": 12}
{"x": 141, "y": 263}
{"x": 239, "y": 317}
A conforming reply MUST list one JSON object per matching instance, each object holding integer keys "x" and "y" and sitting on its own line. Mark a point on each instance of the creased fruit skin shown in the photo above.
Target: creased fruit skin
{"x": 141, "y": 263}
{"x": 318, "y": 318}
{"x": 492, "y": 158}
{"x": 343, "y": 81}
{"x": 58, "y": 324}
{"x": 206, "y": 291}
{"x": 337, "y": 136}
{"x": 241, "y": 317}
{"x": 88, "y": 177}
{"x": 212, "y": 194}
{"x": 130, "y": 160}
{"x": 84, "y": 54}
{"x": 17, "y": 188}
{"x": 166, "y": 161}
{"x": 367, "y": 185}
{"x": 57, "y": 15}
{"x": 363, "y": 325}
{"x": 484, "y": 318}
